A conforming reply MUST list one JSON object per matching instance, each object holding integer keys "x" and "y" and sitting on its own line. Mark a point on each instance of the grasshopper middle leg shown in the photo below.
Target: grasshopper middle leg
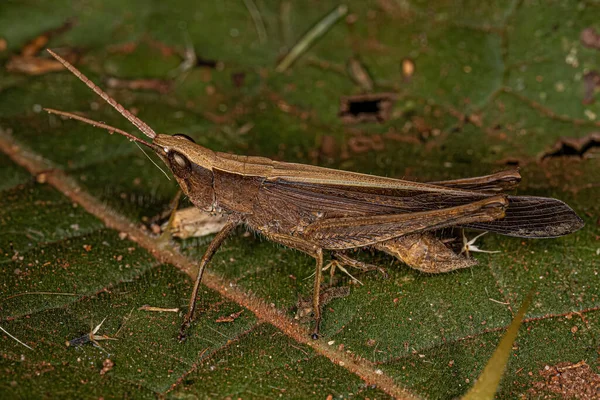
{"x": 341, "y": 259}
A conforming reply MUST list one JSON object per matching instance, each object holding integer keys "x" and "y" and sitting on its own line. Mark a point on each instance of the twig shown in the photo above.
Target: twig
{"x": 125, "y": 319}
{"x": 308, "y": 39}
{"x": 40, "y": 294}
{"x": 258, "y": 21}
{"x": 499, "y": 302}
{"x": 158, "y": 309}
{"x": 4, "y": 330}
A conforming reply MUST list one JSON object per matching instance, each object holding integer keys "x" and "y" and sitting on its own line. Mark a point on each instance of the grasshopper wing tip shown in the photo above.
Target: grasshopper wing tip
{"x": 534, "y": 217}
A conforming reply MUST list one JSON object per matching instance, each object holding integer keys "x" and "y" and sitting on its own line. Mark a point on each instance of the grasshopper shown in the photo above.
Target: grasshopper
{"x": 314, "y": 209}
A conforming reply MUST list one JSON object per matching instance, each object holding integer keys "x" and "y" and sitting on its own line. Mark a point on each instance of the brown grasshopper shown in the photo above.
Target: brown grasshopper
{"x": 313, "y": 209}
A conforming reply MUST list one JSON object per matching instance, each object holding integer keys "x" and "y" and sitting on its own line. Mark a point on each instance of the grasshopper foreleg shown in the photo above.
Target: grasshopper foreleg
{"x": 208, "y": 255}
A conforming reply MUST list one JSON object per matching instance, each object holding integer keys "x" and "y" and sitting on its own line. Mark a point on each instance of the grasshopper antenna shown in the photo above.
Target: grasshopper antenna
{"x": 141, "y": 125}
{"x": 97, "y": 124}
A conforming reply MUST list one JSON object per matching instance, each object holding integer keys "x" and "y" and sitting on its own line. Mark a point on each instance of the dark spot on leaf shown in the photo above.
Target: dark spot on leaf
{"x": 513, "y": 162}
{"x": 204, "y": 62}
{"x": 573, "y": 146}
{"x": 238, "y": 79}
{"x": 366, "y": 108}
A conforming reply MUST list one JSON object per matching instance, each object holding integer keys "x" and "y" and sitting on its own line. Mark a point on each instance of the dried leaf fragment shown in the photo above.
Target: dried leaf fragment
{"x": 27, "y": 62}
{"x": 33, "y": 65}
{"x": 192, "y": 222}
{"x": 230, "y": 318}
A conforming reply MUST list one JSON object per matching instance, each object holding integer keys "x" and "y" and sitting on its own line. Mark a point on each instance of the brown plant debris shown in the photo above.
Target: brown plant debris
{"x": 28, "y": 62}
{"x": 359, "y": 74}
{"x": 573, "y": 146}
{"x": 376, "y": 107}
{"x": 570, "y": 381}
{"x": 37, "y": 65}
{"x": 147, "y": 307}
{"x": 157, "y": 85}
{"x": 591, "y": 82}
{"x": 590, "y": 38}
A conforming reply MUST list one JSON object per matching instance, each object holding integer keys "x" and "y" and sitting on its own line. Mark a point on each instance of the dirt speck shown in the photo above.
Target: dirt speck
{"x": 107, "y": 365}
{"x": 408, "y": 68}
{"x": 568, "y": 380}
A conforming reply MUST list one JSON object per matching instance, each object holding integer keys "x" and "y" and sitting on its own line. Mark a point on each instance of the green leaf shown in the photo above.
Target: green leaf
{"x": 494, "y": 84}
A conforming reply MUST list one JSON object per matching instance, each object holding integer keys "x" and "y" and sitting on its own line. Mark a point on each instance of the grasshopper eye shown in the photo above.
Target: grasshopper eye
{"x": 181, "y": 135}
{"x": 179, "y": 159}
{"x": 179, "y": 164}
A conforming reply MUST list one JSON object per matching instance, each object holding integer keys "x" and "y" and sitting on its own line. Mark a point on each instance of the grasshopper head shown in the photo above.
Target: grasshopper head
{"x": 191, "y": 164}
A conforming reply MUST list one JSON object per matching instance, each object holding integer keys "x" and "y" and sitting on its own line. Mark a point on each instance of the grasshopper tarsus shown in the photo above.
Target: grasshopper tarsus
{"x": 360, "y": 265}
{"x": 187, "y": 321}
{"x": 314, "y": 336}
{"x": 182, "y": 337}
